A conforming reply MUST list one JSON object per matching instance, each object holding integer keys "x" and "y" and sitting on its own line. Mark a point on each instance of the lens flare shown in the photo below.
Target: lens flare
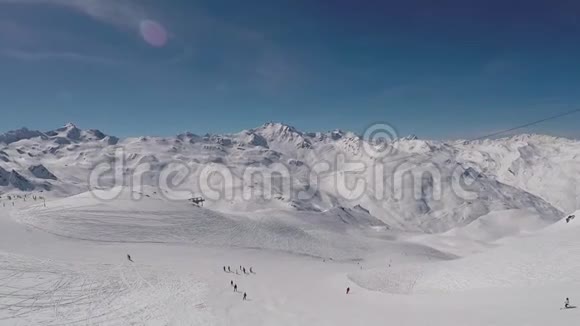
{"x": 153, "y": 33}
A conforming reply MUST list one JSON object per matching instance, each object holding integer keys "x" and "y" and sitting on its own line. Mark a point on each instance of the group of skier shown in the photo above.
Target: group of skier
{"x": 13, "y": 198}
{"x": 235, "y": 286}
{"x": 228, "y": 269}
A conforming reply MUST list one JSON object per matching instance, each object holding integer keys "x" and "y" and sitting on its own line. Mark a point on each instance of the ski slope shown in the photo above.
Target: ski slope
{"x": 534, "y": 259}
{"x": 531, "y": 259}
{"x": 339, "y": 234}
{"x": 65, "y": 264}
{"x": 40, "y": 292}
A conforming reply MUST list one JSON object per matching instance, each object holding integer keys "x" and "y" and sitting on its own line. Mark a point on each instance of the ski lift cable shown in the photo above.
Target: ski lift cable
{"x": 559, "y": 115}
{"x": 556, "y": 116}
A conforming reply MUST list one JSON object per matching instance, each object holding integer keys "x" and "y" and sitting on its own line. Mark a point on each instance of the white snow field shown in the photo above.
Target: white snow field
{"x": 506, "y": 256}
{"x": 66, "y": 265}
{"x": 44, "y": 292}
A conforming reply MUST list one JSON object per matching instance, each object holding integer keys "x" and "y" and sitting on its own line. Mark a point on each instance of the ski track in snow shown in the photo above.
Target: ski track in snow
{"x": 45, "y": 293}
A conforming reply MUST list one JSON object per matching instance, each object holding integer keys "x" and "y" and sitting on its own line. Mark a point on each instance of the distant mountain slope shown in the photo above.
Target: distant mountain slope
{"x": 546, "y": 166}
{"x": 422, "y": 185}
{"x": 537, "y": 257}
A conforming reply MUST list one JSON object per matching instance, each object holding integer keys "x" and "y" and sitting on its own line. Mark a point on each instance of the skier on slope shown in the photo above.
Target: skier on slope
{"x": 347, "y": 290}
{"x": 129, "y": 258}
{"x": 244, "y": 270}
{"x": 235, "y": 288}
{"x": 224, "y": 269}
{"x": 567, "y": 303}
{"x": 245, "y": 296}
{"x": 232, "y": 283}
{"x": 229, "y": 269}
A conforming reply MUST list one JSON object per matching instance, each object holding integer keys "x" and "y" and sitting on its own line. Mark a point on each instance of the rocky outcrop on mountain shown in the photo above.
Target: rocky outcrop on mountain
{"x": 20, "y": 134}
{"x": 41, "y": 172}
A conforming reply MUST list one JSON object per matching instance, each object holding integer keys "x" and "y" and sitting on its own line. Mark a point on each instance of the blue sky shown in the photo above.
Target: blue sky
{"x": 437, "y": 69}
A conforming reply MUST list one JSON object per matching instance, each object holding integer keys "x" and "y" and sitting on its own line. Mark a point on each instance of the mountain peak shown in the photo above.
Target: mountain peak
{"x": 278, "y": 127}
{"x": 282, "y": 134}
{"x": 70, "y": 132}
{"x": 20, "y": 134}
{"x": 70, "y": 125}
{"x": 336, "y": 134}
{"x": 410, "y": 137}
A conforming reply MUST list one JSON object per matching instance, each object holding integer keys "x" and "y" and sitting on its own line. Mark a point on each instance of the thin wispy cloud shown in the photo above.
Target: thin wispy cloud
{"x": 121, "y": 13}
{"x": 33, "y": 56}
{"x": 30, "y": 42}
{"x": 266, "y": 67}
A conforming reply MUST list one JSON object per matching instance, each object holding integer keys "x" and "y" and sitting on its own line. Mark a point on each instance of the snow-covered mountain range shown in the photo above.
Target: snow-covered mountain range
{"x": 421, "y": 185}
